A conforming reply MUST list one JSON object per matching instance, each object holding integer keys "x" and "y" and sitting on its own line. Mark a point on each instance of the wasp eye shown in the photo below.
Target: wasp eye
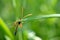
{"x": 19, "y": 22}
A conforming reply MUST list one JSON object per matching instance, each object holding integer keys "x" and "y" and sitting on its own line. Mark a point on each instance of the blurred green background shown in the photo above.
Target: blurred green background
{"x": 43, "y": 24}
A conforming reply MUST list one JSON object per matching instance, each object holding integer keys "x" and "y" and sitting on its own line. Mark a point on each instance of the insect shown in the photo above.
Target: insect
{"x": 19, "y": 22}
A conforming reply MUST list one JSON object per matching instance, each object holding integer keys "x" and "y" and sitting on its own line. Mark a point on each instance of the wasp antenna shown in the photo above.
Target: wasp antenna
{"x": 27, "y": 15}
{"x": 22, "y": 11}
{"x": 20, "y": 18}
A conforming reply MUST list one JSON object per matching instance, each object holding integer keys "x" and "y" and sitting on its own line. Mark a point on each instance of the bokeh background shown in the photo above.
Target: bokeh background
{"x": 43, "y": 24}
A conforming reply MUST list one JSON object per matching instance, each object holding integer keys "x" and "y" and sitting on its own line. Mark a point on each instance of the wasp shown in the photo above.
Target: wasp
{"x": 19, "y": 23}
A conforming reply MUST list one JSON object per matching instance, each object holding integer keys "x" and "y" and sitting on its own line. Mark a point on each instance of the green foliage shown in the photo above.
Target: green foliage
{"x": 44, "y": 21}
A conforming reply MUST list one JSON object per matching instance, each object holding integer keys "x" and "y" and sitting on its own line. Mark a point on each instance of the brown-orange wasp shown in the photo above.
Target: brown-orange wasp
{"x": 19, "y": 22}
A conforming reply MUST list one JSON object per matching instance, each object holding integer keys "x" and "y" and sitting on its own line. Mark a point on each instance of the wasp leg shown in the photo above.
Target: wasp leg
{"x": 15, "y": 30}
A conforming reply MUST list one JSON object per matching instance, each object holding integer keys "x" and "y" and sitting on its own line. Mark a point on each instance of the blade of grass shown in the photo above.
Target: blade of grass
{"x": 42, "y": 16}
{"x": 6, "y": 29}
